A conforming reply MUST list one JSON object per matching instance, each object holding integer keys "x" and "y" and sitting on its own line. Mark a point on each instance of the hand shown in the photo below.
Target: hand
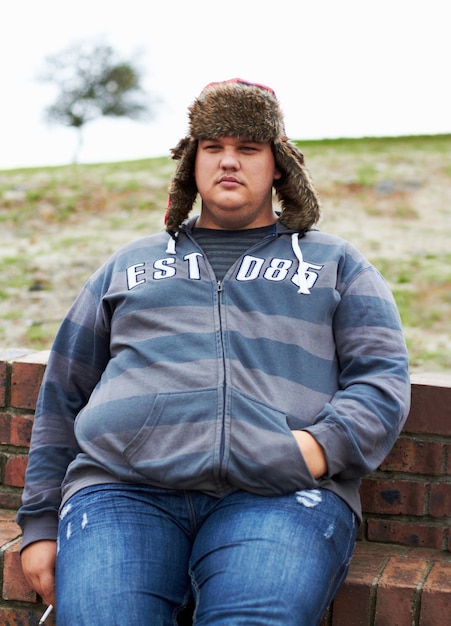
{"x": 38, "y": 565}
{"x": 312, "y": 452}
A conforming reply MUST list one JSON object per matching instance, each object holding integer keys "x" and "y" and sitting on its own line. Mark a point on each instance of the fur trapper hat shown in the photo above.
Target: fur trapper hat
{"x": 238, "y": 108}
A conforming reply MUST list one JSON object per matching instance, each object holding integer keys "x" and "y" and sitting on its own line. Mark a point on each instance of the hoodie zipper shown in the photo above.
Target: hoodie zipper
{"x": 219, "y": 290}
{"x": 219, "y": 469}
{"x": 224, "y": 386}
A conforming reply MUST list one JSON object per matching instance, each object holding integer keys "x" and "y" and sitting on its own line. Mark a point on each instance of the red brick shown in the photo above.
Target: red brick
{"x": 407, "y": 533}
{"x": 26, "y": 378}
{"x": 5, "y": 427}
{"x": 440, "y": 500}
{"x": 369, "y": 548}
{"x": 427, "y": 554}
{"x": 416, "y": 456}
{"x": 6, "y": 357}
{"x": 3, "y": 382}
{"x": 15, "y": 470}
{"x": 395, "y": 497}
{"x": 24, "y": 617}
{"x": 354, "y": 604}
{"x": 397, "y": 594}
{"x": 10, "y": 501}
{"x": 431, "y": 405}
{"x": 7, "y": 516}
{"x": 436, "y": 596}
{"x": 9, "y": 531}
{"x": 15, "y": 586}
{"x": 21, "y": 426}
{"x": 15, "y": 429}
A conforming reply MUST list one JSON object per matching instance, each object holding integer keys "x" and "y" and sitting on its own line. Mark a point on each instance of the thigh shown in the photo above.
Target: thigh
{"x": 271, "y": 561}
{"x": 121, "y": 560}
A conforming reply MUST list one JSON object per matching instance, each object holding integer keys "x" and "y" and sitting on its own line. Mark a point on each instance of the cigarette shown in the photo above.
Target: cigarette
{"x": 47, "y": 612}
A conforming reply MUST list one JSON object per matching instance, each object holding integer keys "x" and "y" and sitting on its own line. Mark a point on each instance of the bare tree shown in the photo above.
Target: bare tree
{"x": 93, "y": 82}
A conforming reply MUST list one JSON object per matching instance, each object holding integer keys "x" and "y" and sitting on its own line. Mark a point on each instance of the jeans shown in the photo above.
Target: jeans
{"x": 134, "y": 555}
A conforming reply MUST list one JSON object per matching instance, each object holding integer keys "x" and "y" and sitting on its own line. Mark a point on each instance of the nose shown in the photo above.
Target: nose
{"x": 229, "y": 159}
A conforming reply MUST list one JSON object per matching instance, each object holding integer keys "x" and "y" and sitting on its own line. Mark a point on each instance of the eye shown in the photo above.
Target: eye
{"x": 211, "y": 146}
{"x": 249, "y": 147}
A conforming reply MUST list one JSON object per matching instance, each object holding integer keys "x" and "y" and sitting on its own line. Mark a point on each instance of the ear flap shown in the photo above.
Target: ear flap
{"x": 295, "y": 191}
{"x": 183, "y": 188}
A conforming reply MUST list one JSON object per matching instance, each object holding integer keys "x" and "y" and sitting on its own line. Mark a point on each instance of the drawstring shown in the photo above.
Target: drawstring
{"x": 172, "y": 243}
{"x": 302, "y": 280}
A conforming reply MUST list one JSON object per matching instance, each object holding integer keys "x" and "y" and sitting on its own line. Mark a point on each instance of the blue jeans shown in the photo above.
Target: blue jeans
{"x": 134, "y": 555}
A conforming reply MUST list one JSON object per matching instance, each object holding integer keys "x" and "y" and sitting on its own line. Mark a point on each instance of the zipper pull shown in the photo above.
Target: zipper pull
{"x": 219, "y": 285}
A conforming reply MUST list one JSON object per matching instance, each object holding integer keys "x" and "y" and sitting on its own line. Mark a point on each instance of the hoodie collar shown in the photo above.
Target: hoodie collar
{"x": 281, "y": 229}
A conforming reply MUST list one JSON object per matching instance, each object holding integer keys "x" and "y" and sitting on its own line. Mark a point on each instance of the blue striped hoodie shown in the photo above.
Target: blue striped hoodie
{"x": 160, "y": 375}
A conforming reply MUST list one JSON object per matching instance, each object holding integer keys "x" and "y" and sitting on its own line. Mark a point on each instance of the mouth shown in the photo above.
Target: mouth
{"x": 229, "y": 181}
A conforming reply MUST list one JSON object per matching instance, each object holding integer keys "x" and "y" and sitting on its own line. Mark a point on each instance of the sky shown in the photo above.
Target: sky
{"x": 340, "y": 68}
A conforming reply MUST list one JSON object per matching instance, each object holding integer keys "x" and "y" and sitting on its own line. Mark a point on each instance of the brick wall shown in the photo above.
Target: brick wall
{"x": 21, "y": 373}
{"x": 401, "y": 571}
{"x": 408, "y": 500}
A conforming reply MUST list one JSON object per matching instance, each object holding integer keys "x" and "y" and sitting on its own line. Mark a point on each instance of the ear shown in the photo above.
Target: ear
{"x": 277, "y": 174}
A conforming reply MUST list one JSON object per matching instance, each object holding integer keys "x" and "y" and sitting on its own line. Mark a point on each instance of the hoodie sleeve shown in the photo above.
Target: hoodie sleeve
{"x": 360, "y": 424}
{"x": 77, "y": 359}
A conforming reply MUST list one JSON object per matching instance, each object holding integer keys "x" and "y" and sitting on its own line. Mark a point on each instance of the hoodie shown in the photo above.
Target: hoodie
{"x": 161, "y": 375}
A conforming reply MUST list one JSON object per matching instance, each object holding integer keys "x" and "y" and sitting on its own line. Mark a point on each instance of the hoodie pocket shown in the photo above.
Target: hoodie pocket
{"x": 175, "y": 445}
{"x": 264, "y": 456}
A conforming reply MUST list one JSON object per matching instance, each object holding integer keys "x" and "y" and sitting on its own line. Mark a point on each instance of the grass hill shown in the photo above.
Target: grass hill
{"x": 391, "y": 197}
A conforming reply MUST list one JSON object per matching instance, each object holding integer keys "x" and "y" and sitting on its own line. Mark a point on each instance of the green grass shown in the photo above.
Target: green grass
{"x": 390, "y": 196}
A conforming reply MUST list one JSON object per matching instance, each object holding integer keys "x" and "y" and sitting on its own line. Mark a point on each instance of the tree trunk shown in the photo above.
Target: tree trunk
{"x": 79, "y": 145}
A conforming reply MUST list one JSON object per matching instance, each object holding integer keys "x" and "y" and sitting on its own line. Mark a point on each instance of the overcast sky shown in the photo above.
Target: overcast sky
{"x": 341, "y": 68}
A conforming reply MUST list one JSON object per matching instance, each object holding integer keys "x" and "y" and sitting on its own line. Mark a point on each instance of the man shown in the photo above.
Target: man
{"x": 214, "y": 397}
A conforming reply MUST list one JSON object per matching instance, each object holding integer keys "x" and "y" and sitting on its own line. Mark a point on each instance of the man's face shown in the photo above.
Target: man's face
{"x": 234, "y": 178}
